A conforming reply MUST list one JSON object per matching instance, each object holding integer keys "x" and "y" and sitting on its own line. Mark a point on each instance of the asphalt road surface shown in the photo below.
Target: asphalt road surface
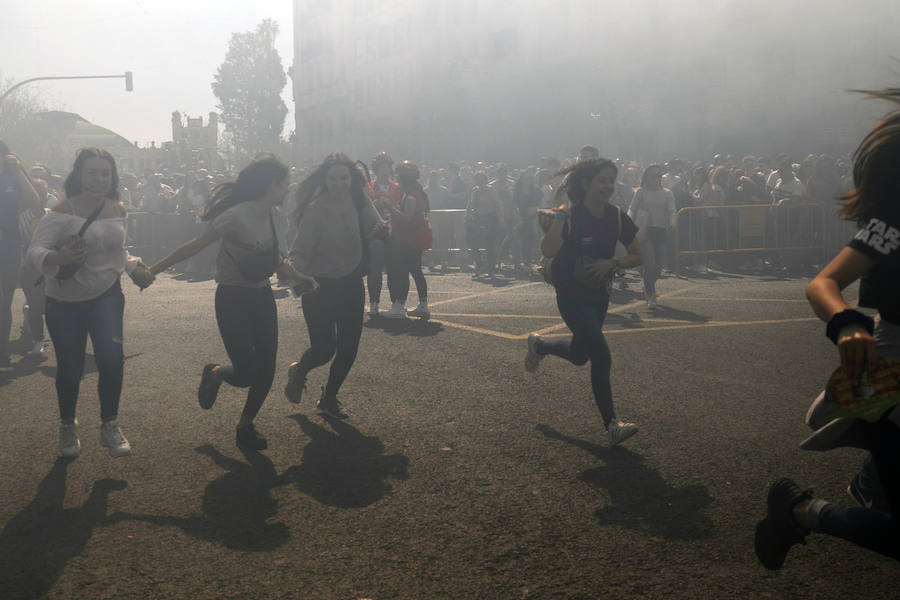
{"x": 458, "y": 475}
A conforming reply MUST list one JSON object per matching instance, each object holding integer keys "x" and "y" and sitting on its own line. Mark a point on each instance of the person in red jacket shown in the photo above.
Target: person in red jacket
{"x": 410, "y": 235}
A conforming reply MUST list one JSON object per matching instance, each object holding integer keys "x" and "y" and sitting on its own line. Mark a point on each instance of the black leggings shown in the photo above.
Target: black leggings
{"x": 403, "y": 262}
{"x": 248, "y": 324}
{"x": 334, "y": 319}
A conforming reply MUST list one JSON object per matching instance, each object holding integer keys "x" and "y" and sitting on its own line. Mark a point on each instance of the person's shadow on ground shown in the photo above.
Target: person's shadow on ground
{"x": 411, "y": 326}
{"x": 37, "y": 543}
{"x": 236, "y": 506}
{"x": 638, "y": 498}
{"x": 343, "y": 467}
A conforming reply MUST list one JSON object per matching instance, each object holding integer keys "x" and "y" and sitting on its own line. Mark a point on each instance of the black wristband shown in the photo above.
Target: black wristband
{"x": 847, "y": 317}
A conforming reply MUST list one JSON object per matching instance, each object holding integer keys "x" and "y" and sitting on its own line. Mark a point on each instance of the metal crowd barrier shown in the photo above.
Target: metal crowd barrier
{"x": 448, "y": 228}
{"x": 750, "y": 228}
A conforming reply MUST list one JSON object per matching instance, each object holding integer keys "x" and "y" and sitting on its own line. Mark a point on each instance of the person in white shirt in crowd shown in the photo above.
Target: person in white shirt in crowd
{"x": 504, "y": 185}
{"x": 240, "y": 213}
{"x": 787, "y": 186}
{"x": 653, "y": 211}
{"x": 79, "y": 247}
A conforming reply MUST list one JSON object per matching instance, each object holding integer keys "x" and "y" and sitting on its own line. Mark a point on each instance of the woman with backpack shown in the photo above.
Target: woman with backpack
{"x": 240, "y": 214}
{"x": 410, "y": 236}
{"x": 582, "y": 243}
{"x": 335, "y": 221}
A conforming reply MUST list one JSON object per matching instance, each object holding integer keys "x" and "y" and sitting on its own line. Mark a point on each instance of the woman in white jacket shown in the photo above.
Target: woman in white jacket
{"x": 81, "y": 281}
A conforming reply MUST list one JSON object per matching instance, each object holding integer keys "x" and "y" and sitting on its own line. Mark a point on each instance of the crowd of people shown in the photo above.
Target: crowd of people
{"x": 332, "y": 231}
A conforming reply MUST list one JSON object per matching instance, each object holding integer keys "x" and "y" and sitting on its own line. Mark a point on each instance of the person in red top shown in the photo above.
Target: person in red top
{"x": 384, "y": 192}
{"x": 410, "y": 235}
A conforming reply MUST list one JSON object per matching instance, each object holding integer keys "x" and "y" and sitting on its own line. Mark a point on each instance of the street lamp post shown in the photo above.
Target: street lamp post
{"x": 126, "y": 76}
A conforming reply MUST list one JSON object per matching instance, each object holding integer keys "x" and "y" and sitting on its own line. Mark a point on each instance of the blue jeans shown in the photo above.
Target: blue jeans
{"x": 586, "y": 344}
{"x": 873, "y": 529}
{"x": 69, "y": 324}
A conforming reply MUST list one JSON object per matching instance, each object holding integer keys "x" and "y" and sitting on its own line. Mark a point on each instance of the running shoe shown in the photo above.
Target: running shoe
{"x": 420, "y": 311}
{"x": 532, "y": 358}
{"x": 112, "y": 439}
{"x": 37, "y": 348}
{"x": 778, "y": 531}
{"x": 373, "y": 309}
{"x": 247, "y": 437}
{"x": 209, "y": 387}
{"x": 69, "y": 445}
{"x": 619, "y": 431}
{"x": 296, "y": 385}
{"x": 397, "y": 311}
{"x": 331, "y": 407}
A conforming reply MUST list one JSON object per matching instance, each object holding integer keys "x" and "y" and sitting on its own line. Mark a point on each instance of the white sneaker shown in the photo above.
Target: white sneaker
{"x": 69, "y": 446}
{"x": 398, "y": 311}
{"x": 420, "y": 311}
{"x": 111, "y": 438}
{"x": 651, "y": 302}
{"x": 373, "y": 309}
{"x": 619, "y": 431}
{"x": 37, "y": 348}
{"x": 533, "y": 359}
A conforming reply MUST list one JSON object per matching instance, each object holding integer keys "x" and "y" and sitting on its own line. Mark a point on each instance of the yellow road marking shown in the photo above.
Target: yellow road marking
{"x": 499, "y": 334}
{"x": 699, "y": 325}
{"x": 497, "y": 291}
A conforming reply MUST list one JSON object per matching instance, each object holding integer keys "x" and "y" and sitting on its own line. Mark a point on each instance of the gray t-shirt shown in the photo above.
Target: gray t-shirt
{"x": 244, "y": 228}
{"x": 328, "y": 243}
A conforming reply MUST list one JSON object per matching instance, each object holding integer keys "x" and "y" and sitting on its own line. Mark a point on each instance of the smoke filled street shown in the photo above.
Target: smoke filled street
{"x": 457, "y": 475}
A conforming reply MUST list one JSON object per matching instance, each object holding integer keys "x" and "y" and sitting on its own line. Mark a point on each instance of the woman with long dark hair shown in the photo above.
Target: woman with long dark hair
{"x": 240, "y": 214}
{"x": 582, "y": 243}
{"x": 335, "y": 221}
{"x": 79, "y": 248}
{"x": 873, "y": 258}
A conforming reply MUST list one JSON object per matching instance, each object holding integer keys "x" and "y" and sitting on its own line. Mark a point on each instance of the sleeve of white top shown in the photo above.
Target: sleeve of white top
{"x": 43, "y": 242}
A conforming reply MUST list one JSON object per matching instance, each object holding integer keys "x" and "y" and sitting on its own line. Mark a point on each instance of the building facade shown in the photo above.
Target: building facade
{"x": 443, "y": 80}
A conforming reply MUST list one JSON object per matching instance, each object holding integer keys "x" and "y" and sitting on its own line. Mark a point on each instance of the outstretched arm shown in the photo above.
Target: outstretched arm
{"x": 185, "y": 251}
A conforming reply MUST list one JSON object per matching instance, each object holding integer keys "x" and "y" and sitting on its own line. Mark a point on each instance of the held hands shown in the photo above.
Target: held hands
{"x": 142, "y": 276}
{"x": 856, "y": 348}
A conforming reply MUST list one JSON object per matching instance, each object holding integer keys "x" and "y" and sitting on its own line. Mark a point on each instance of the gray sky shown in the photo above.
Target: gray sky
{"x": 173, "y": 47}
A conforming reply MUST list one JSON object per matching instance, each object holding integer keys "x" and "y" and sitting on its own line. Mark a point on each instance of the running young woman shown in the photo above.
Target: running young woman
{"x": 873, "y": 257}
{"x": 335, "y": 222}
{"x": 408, "y": 223}
{"x": 582, "y": 245}
{"x": 83, "y": 295}
{"x": 240, "y": 214}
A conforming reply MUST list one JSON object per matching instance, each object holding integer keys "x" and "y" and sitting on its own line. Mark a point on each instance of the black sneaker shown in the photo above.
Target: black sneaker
{"x": 778, "y": 531}
{"x": 248, "y": 437}
{"x": 296, "y": 385}
{"x": 330, "y": 407}
{"x": 209, "y": 387}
